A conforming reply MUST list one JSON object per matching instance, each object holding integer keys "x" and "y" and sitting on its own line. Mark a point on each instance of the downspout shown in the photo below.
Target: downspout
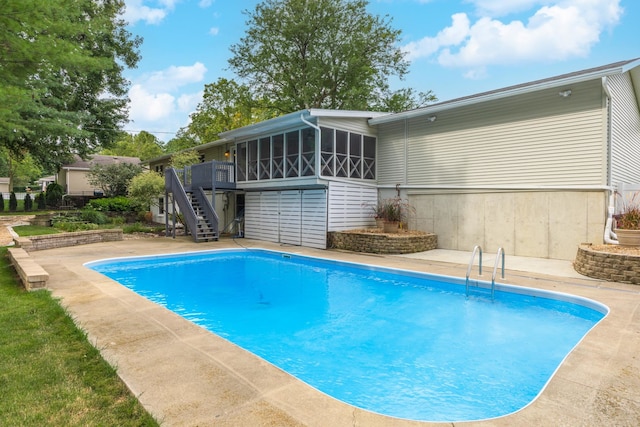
{"x": 317, "y": 142}
{"x": 609, "y": 236}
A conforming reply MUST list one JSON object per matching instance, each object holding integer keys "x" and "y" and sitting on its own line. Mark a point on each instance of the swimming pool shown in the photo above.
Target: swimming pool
{"x": 399, "y": 343}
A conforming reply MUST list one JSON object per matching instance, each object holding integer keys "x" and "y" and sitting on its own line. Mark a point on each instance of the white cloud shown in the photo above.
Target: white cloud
{"x": 174, "y": 77}
{"x": 136, "y": 10}
{"x": 555, "y": 31}
{"x": 205, "y": 3}
{"x": 159, "y": 102}
{"x": 501, "y": 7}
{"x": 214, "y": 31}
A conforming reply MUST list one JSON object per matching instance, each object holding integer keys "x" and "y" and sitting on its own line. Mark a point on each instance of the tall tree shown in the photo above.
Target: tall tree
{"x": 225, "y": 105}
{"x": 143, "y": 145}
{"x": 61, "y": 84}
{"x": 318, "y": 53}
{"x": 184, "y": 139}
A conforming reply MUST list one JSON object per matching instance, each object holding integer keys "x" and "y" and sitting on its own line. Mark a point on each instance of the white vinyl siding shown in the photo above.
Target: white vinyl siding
{"x": 352, "y": 125}
{"x": 314, "y": 219}
{"x": 349, "y": 206}
{"x": 294, "y": 217}
{"x": 391, "y": 156}
{"x": 534, "y": 139}
{"x": 625, "y": 131}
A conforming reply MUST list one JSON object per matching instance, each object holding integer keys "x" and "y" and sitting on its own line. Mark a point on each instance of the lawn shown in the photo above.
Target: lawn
{"x": 49, "y": 373}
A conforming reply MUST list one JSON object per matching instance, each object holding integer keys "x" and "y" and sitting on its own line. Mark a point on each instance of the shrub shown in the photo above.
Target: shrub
{"x": 54, "y": 194}
{"x": 41, "y": 201}
{"x": 13, "y": 202}
{"x": 111, "y": 204}
{"x": 28, "y": 203}
{"x": 93, "y": 216}
{"x": 75, "y": 226}
{"x": 1, "y": 203}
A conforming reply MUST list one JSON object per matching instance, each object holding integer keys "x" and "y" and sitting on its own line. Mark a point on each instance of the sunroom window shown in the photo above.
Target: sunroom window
{"x": 293, "y": 155}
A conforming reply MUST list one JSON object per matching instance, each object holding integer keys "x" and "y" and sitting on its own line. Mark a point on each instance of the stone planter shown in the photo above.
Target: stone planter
{"x": 380, "y": 223}
{"x": 628, "y": 237}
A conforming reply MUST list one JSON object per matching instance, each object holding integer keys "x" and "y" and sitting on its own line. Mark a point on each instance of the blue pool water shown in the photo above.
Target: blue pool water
{"x": 403, "y": 344}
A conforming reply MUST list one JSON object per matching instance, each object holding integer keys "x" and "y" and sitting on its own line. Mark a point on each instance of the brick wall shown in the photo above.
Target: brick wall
{"x": 61, "y": 240}
{"x": 380, "y": 243}
{"x": 613, "y": 267}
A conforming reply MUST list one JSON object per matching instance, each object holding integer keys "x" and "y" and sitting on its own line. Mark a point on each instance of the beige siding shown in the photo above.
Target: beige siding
{"x": 535, "y": 139}
{"x": 625, "y": 131}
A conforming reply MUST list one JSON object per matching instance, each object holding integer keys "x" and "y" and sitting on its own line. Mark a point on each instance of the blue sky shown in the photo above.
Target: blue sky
{"x": 456, "y": 48}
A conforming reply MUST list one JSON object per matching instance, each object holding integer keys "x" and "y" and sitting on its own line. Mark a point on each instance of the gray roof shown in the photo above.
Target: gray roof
{"x": 98, "y": 159}
{"x": 556, "y": 81}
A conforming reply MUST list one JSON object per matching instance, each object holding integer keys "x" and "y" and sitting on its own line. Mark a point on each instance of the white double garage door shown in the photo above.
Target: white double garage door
{"x": 296, "y": 217}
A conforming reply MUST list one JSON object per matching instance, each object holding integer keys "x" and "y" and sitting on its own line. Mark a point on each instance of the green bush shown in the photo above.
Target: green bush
{"x": 75, "y": 226}
{"x": 13, "y": 202}
{"x": 94, "y": 217}
{"x": 111, "y": 204}
{"x": 1, "y": 203}
{"x": 28, "y": 203}
{"x": 41, "y": 201}
{"x": 54, "y": 195}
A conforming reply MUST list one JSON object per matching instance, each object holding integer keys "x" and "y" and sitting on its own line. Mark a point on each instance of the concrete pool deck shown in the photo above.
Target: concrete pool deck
{"x": 186, "y": 376}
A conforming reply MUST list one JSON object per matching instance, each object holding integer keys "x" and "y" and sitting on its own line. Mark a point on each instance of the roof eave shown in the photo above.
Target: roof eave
{"x": 448, "y": 105}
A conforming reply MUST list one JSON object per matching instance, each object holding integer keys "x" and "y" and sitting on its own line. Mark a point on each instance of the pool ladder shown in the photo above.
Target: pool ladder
{"x": 478, "y": 250}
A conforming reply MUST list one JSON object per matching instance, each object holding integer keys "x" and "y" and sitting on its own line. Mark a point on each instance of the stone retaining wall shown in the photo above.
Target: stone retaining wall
{"x": 381, "y": 243}
{"x": 61, "y": 240}
{"x": 609, "y": 266}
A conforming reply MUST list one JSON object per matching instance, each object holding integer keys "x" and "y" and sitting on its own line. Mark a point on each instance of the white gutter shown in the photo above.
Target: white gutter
{"x": 609, "y": 237}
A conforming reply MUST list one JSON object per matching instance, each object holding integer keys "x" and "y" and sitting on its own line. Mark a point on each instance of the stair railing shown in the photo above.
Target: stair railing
{"x": 209, "y": 212}
{"x": 174, "y": 186}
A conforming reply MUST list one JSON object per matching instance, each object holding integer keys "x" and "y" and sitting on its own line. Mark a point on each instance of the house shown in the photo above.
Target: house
{"x": 73, "y": 177}
{"x": 530, "y": 168}
{"x": 4, "y": 184}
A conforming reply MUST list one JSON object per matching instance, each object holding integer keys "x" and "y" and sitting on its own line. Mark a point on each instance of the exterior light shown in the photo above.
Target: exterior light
{"x": 565, "y": 93}
{"x": 432, "y": 118}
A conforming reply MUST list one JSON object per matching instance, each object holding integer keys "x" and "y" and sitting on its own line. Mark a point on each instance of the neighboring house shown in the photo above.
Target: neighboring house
{"x": 4, "y": 184}
{"x": 73, "y": 177}
{"x": 530, "y": 168}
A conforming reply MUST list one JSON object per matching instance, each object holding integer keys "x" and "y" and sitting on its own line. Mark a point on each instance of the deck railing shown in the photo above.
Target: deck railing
{"x": 208, "y": 175}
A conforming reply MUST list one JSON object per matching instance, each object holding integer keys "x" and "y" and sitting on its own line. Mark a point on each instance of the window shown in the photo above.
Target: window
{"x": 161, "y": 205}
{"x": 293, "y": 155}
{"x": 265, "y": 158}
{"x": 277, "y": 159}
{"x": 355, "y": 155}
{"x": 308, "y": 158}
{"x": 326, "y": 151}
{"x": 241, "y": 169}
{"x": 252, "y": 160}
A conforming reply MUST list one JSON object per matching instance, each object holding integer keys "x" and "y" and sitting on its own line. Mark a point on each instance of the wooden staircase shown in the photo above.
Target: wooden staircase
{"x": 204, "y": 230}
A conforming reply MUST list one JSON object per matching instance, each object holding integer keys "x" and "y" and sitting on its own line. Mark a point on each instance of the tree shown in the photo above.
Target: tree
{"x": 21, "y": 172}
{"x": 53, "y": 194}
{"x": 225, "y": 105}
{"x": 403, "y": 100}
{"x": 13, "y": 202}
{"x": 28, "y": 203}
{"x": 183, "y": 140}
{"x": 143, "y": 145}
{"x": 61, "y": 66}
{"x": 318, "y": 54}
{"x": 113, "y": 179}
{"x": 145, "y": 189}
{"x": 184, "y": 158}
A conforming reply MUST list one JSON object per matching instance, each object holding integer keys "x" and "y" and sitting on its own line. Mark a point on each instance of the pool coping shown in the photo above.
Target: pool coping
{"x": 185, "y": 375}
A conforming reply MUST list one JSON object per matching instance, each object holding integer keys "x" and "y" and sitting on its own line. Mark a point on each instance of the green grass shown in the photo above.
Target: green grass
{"x": 49, "y": 373}
{"x": 34, "y": 230}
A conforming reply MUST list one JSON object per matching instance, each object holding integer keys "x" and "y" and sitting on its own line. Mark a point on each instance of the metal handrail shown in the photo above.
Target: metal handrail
{"x": 174, "y": 186}
{"x": 476, "y": 249}
{"x": 209, "y": 212}
{"x": 495, "y": 268}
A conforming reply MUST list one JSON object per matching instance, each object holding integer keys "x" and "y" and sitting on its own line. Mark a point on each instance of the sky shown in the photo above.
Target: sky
{"x": 456, "y": 48}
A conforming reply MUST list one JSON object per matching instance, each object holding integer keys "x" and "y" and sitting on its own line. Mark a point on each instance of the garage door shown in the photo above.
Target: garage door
{"x": 295, "y": 217}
